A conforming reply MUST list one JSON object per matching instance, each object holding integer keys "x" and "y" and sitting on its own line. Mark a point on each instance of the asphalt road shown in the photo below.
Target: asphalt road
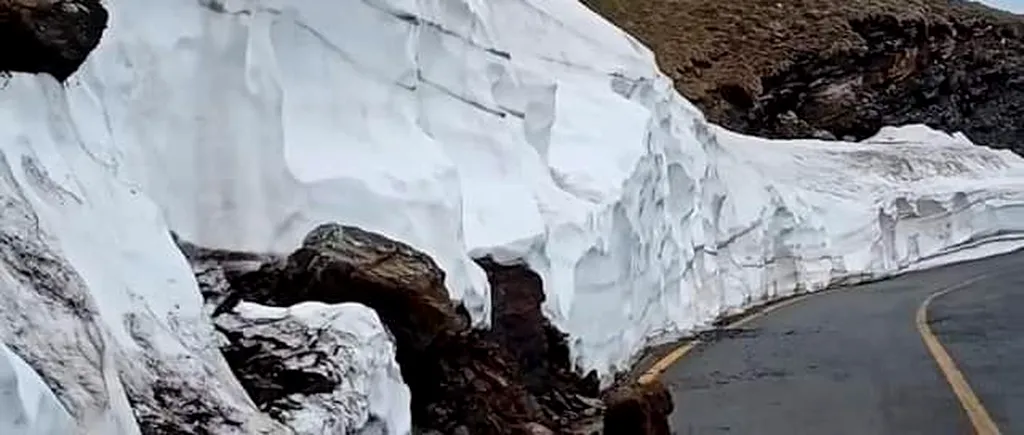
{"x": 852, "y": 361}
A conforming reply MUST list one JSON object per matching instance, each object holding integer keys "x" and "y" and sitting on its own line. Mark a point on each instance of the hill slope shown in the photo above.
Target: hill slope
{"x": 803, "y": 68}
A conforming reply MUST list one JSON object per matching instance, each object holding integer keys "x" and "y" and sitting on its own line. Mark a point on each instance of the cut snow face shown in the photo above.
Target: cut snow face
{"x": 514, "y": 128}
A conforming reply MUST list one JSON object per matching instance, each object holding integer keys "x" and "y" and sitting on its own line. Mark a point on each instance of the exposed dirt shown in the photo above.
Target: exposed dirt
{"x": 839, "y": 68}
{"x": 49, "y": 36}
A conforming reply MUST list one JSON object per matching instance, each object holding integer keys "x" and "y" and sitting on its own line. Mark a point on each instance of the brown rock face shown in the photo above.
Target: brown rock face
{"x": 638, "y": 409}
{"x": 539, "y": 348}
{"x": 831, "y": 68}
{"x": 49, "y": 36}
{"x": 519, "y": 324}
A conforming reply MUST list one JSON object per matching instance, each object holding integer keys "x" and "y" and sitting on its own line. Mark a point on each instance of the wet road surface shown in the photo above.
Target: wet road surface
{"x": 852, "y": 361}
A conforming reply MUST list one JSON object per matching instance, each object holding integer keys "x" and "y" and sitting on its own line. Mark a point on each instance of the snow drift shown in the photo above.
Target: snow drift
{"x": 523, "y": 129}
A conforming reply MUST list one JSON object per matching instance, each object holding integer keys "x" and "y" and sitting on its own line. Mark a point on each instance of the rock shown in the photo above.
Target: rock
{"x": 214, "y": 269}
{"x": 519, "y": 325}
{"x": 458, "y": 378}
{"x": 346, "y": 264}
{"x": 517, "y": 321}
{"x": 319, "y": 369}
{"x": 49, "y": 36}
{"x": 638, "y": 409}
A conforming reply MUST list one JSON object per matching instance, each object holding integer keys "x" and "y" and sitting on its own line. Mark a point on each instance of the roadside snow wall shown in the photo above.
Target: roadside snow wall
{"x": 528, "y": 129}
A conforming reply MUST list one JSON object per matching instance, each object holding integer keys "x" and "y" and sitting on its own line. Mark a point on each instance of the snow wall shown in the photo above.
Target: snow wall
{"x": 527, "y": 129}
{"x": 524, "y": 129}
{"x": 521, "y": 128}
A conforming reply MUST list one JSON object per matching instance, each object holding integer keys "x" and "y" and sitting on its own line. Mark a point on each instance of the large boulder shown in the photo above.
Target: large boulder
{"x": 49, "y": 36}
{"x": 346, "y": 264}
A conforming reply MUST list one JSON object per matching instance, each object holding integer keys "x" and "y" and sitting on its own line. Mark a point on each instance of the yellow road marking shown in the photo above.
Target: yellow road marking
{"x": 666, "y": 361}
{"x": 980, "y": 419}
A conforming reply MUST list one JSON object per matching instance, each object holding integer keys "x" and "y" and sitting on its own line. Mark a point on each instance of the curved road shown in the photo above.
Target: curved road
{"x": 853, "y": 361}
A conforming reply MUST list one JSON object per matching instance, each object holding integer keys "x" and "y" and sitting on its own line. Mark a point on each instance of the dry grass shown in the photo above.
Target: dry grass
{"x": 707, "y": 46}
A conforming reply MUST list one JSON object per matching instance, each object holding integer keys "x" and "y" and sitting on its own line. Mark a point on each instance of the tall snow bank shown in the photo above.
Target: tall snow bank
{"x": 520, "y": 128}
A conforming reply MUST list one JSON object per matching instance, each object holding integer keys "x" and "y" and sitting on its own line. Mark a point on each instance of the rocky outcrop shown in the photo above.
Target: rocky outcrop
{"x": 461, "y": 382}
{"x": 49, "y": 36}
{"x": 515, "y": 378}
{"x": 314, "y": 367}
{"x": 830, "y": 69}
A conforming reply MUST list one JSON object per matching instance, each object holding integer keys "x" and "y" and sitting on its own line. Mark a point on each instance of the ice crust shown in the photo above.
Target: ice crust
{"x": 523, "y": 129}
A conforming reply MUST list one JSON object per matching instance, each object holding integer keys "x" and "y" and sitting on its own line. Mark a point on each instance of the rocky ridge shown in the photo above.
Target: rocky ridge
{"x": 833, "y": 69}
